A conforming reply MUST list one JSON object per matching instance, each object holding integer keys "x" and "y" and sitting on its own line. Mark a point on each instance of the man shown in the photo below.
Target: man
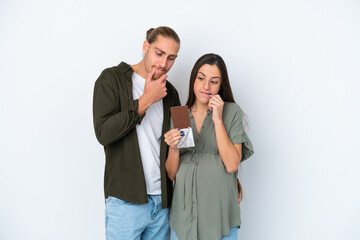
{"x": 131, "y": 111}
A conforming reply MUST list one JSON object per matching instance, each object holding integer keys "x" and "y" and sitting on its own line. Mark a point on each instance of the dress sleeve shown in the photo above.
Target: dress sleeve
{"x": 237, "y": 135}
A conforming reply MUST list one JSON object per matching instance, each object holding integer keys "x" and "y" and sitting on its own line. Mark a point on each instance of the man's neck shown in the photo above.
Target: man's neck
{"x": 139, "y": 68}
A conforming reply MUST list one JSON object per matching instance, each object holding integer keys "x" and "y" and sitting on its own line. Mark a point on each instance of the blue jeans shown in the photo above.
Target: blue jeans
{"x": 233, "y": 235}
{"x": 124, "y": 220}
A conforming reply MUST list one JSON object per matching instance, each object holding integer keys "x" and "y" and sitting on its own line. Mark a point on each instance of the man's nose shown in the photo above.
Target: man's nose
{"x": 163, "y": 62}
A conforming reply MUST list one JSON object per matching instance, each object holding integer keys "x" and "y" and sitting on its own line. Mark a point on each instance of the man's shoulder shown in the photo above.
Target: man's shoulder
{"x": 123, "y": 67}
{"x": 114, "y": 72}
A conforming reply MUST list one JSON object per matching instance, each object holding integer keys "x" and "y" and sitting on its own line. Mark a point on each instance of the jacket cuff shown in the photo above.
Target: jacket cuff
{"x": 134, "y": 105}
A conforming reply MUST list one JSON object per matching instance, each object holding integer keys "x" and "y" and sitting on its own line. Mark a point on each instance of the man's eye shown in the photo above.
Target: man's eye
{"x": 159, "y": 54}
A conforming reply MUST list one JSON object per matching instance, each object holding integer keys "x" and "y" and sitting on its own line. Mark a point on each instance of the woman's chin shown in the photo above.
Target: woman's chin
{"x": 203, "y": 101}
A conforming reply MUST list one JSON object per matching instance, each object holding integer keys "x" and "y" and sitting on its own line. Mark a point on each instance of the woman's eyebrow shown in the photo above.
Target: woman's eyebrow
{"x": 211, "y": 78}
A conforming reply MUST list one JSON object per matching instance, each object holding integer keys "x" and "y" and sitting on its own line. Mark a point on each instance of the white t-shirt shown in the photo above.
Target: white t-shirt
{"x": 149, "y": 137}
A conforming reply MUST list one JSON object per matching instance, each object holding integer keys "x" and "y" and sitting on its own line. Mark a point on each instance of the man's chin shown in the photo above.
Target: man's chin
{"x": 157, "y": 76}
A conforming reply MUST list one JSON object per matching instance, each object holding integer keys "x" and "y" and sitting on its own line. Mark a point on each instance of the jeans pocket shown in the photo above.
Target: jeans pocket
{"x": 114, "y": 200}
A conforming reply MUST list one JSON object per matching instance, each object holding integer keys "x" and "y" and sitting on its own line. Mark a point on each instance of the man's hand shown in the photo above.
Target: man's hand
{"x": 154, "y": 91}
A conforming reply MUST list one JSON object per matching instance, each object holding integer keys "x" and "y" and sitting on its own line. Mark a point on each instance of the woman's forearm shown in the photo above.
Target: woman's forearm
{"x": 230, "y": 154}
{"x": 172, "y": 163}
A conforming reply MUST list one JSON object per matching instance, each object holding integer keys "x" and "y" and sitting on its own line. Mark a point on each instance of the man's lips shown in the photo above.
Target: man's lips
{"x": 159, "y": 70}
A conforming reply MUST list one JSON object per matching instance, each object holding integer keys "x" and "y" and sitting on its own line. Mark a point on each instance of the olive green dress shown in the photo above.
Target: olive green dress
{"x": 204, "y": 203}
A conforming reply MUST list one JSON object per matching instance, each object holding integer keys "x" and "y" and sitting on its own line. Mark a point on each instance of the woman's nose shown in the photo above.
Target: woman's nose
{"x": 206, "y": 85}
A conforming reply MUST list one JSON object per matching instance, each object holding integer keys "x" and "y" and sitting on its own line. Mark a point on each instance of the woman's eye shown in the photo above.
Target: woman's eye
{"x": 200, "y": 78}
{"x": 214, "y": 82}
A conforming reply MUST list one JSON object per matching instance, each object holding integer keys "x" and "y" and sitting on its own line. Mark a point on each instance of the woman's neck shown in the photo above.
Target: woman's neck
{"x": 199, "y": 107}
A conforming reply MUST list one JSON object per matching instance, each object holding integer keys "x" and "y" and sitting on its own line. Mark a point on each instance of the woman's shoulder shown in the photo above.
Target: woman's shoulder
{"x": 231, "y": 111}
{"x": 231, "y": 107}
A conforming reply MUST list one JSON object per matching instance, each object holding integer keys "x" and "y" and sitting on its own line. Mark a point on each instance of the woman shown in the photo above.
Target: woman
{"x": 205, "y": 204}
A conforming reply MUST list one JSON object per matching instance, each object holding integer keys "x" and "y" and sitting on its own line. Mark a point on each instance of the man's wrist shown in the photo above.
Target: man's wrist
{"x": 144, "y": 104}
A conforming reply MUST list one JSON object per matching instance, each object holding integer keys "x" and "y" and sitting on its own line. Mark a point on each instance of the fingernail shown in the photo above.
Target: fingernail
{"x": 178, "y": 129}
{"x": 181, "y": 131}
{"x": 182, "y": 135}
{"x": 209, "y": 93}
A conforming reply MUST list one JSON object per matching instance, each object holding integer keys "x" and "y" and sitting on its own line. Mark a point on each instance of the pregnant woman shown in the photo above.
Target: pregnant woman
{"x": 205, "y": 201}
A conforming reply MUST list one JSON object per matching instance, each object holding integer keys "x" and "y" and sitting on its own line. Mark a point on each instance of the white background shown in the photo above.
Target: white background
{"x": 294, "y": 69}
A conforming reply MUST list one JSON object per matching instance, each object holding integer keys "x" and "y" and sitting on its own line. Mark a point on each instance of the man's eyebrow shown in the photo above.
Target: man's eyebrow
{"x": 163, "y": 52}
{"x": 158, "y": 49}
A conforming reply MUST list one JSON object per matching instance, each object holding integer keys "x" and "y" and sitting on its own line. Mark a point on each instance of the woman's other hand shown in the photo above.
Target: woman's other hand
{"x": 216, "y": 105}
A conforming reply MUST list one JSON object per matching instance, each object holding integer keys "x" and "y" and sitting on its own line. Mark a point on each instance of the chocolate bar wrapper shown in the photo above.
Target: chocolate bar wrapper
{"x": 187, "y": 140}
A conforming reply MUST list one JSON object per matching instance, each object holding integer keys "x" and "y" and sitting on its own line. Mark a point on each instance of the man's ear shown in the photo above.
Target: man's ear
{"x": 146, "y": 46}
